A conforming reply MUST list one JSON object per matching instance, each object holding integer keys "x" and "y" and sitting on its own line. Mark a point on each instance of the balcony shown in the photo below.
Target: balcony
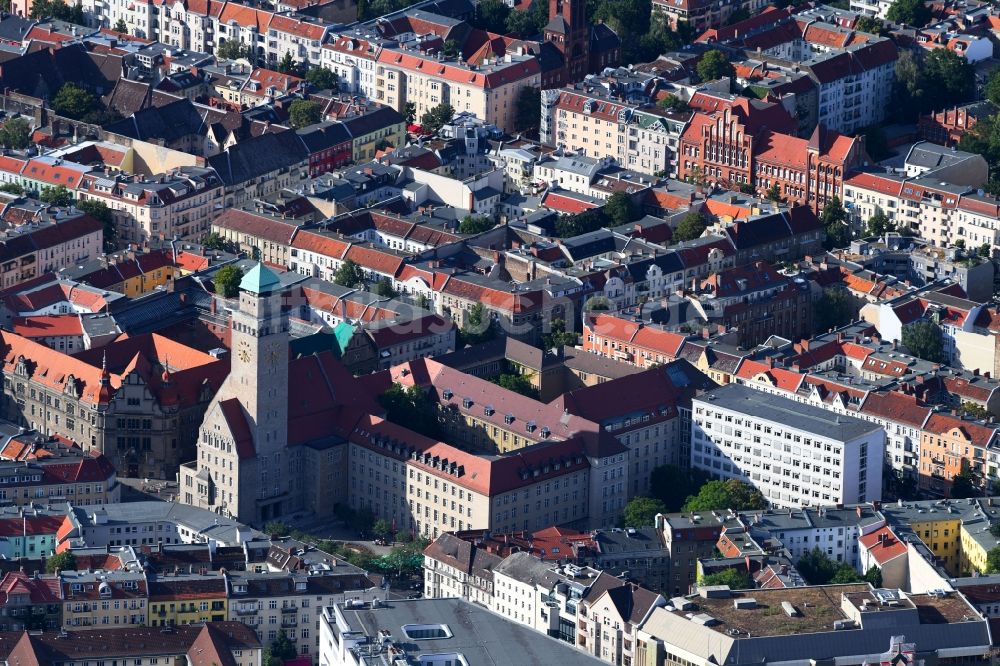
{"x": 290, "y": 609}
{"x": 289, "y": 621}
{"x": 246, "y": 610}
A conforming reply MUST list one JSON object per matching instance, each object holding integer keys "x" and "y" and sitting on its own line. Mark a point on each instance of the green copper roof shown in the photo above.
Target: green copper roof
{"x": 344, "y": 332}
{"x": 260, "y": 280}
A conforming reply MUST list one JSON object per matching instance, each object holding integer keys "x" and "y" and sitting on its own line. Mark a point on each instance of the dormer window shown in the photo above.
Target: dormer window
{"x": 467, "y": 402}
{"x": 508, "y": 419}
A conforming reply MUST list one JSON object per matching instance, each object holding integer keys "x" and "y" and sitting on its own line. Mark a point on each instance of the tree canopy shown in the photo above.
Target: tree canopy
{"x": 478, "y": 326}
{"x": 964, "y": 484}
{"x": 673, "y": 485}
{"x": 993, "y": 560}
{"x": 558, "y": 337}
{"x": 232, "y": 50}
{"x": 568, "y": 226}
{"x": 475, "y": 224}
{"x": 715, "y": 65}
{"x": 923, "y": 340}
{"x": 672, "y": 102}
{"x": 517, "y": 383}
{"x": 100, "y": 211}
{"x": 528, "y": 23}
{"x": 74, "y": 102}
{"x": 835, "y": 308}
{"x": 913, "y": 13}
{"x": 64, "y": 561}
{"x": 227, "y": 280}
{"x": 303, "y": 113}
{"x": 491, "y": 16}
{"x": 15, "y": 133}
{"x": 437, "y": 117}
{"x": 819, "y": 569}
{"x": 411, "y": 407}
{"x": 56, "y": 196}
{"x": 58, "y": 9}
{"x": 734, "y": 578}
{"x": 690, "y": 227}
{"x": 728, "y": 494}
{"x": 925, "y": 83}
{"x": 641, "y": 511}
{"x": 383, "y": 287}
{"x": 349, "y": 274}
{"x": 835, "y": 222}
{"x": 619, "y": 208}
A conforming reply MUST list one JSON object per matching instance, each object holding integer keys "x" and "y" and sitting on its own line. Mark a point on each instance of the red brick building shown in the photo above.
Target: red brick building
{"x": 745, "y": 143}
{"x": 947, "y": 127}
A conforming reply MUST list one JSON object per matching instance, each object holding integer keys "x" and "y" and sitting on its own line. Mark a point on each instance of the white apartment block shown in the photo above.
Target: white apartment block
{"x": 795, "y": 454}
{"x": 939, "y": 212}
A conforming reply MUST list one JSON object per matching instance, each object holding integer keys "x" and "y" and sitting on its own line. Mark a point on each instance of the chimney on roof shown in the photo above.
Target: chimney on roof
{"x": 858, "y": 510}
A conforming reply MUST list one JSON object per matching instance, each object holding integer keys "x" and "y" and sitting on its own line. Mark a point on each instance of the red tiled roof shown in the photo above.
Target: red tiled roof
{"x": 896, "y": 406}
{"x": 883, "y": 545}
{"x": 566, "y": 204}
{"x": 42, "y": 326}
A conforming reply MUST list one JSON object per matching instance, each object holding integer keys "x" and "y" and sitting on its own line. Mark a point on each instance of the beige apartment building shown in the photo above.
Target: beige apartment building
{"x": 106, "y": 600}
{"x": 431, "y": 487}
{"x": 180, "y": 204}
{"x": 489, "y": 90}
{"x": 49, "y": 246}
{"x": 292, "y": 602}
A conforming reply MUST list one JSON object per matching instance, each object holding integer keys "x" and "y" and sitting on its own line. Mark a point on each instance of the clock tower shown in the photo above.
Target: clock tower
{"x": 258, "y": 378}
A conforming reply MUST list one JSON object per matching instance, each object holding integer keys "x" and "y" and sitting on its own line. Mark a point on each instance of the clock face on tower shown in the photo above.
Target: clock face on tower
{"x": 244, "y": 351}
{"x": 273, "y": 356}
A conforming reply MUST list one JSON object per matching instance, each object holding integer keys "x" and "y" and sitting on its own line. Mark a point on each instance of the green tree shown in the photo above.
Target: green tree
{"x": 64, "y": 561}
{"x": 56, "y": 196}
{"x": 949, "y": 78}
{"x": 619, "y": 208}
{"x": 773, "y": 193}
{"x": 410, "y": 112}
{"x": 671, "y": 102}
{"x": 985, "y": 250}
{"x": 382, "y": 529}
{"x": 12, "y": 188}
{"x": 993, "y": 560}
{"x": 491, "y": 16}
{"x": 734, "y": 578}
{"x": 527, "y": 113}
{"x": 73, "y": 101}
{"x": 835, "y": 222}
{"x": 991, "y": 90}
{"x": 214, "y": 241}
{"x": 303, "y": 113}
{"x": 568, "y": 226}
{"x": 816, "y": 567}
{"x": 558, "y": 337}
{"x": 100, "y": 211}
{"x": 879, "y": 224}
{"x": 715, "y": 65}
{"x": 283, "y": 648}
{"x": 845, "y": 573}
{"x": 913, "y": 13}
{"x": 974, "y": 410}
{"x": 15, "y": 133}
{"x": 874, "y": 576}
{"x": 349, "y": 274}
{"x": 276, "y": 528}
{"x": 869, "y": 24}
{"x": 451, "y": 48}
{"x": 322, "y": 78}
{"x": 923, "y": 340}
{"x": 835, "y": 308}
{"x": 478, "y": 326}
{"x": 384, "y": 288}
{"x": 121, "y": 27}
{"x": 641, "y": 511}
{"x": 672, "y": 485}
{"x": 410, "y": 407}
{"x": 995, "y": 529}
{"x": 517, "y": 383}
{"x": 437, "y": 117}
{"x": 690, "y": 227}
{"x": 730, "y": 494}
{"x": 232, "y": 50}
{"x": 475, "y": 224}
{"x": 227, "y": 280}
{"x": 287, "y": 64}
{"x": 529, "y": 23}
{"x": 964, "y": 484}
{"x": 423, "y": 302}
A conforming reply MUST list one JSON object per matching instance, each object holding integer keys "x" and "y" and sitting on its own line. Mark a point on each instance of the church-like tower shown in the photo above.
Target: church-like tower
{"x": 259, "y": 380}
{"x": 569, "y": 30}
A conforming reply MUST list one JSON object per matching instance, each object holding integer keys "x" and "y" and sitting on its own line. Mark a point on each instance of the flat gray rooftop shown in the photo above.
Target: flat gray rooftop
{"x": 483, "y": 637}
{"x": 767, "y": 407}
